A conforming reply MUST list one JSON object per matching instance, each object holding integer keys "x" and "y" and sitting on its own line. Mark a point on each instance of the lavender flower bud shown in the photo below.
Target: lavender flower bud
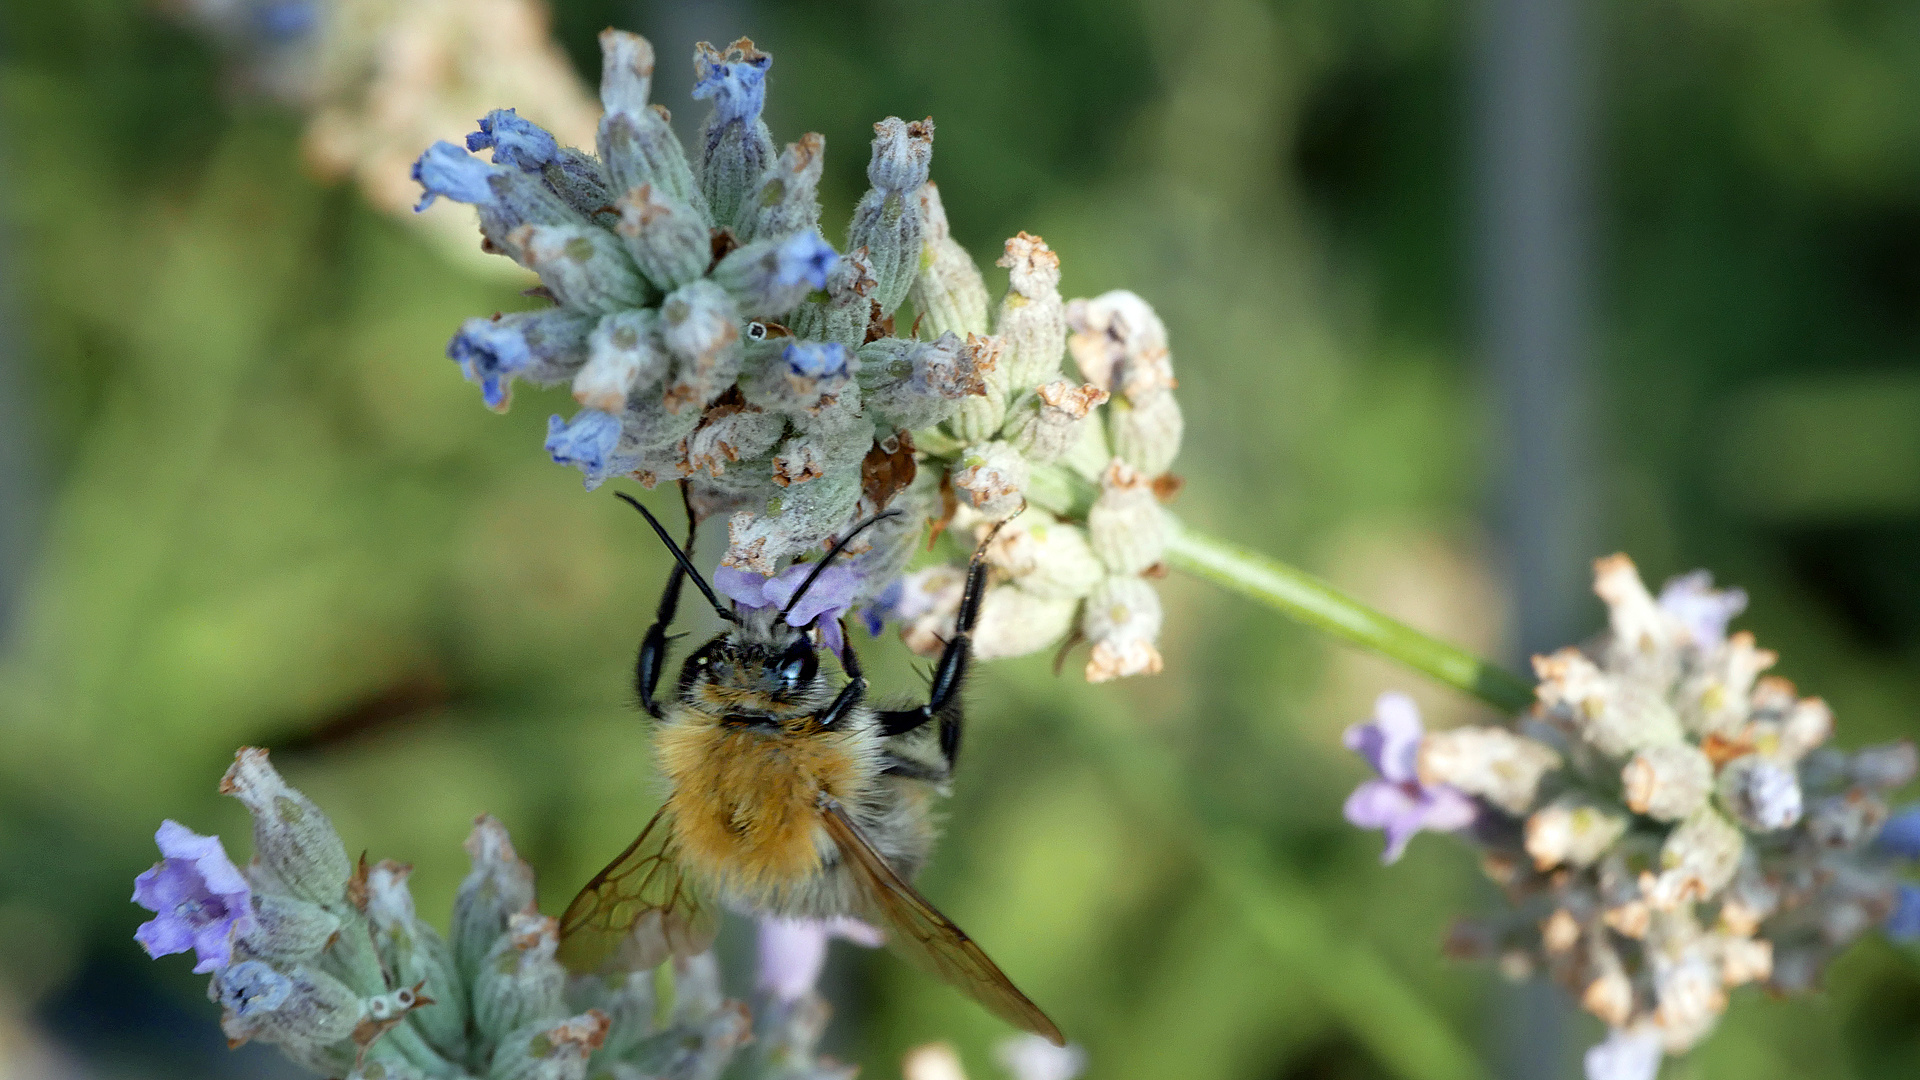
{"x": 981, "y": 416}
{"x": 990, "y": 478}
{"x": 629, "y": 1002}
{"x": 583, "y": 266}
{"x": 1616, "y": 716}
{"x": 500, "y": 885}
{"x": 581, "y": 182}
{"x": 1032, "y": 320}
{"x": 736, "y": 147}
{"x": 1571, "y": 831}
{"x": 915, "y": 384}
{"x": 701, "y": 329}
{"x": 769, "y": 278}
{"x": 1046, "y": 424}
{"x": 541, "y": 347}
{"x": 624, "y": 356}
{"x": 731, "y": 433}
{"x": 1845, "y": 821}
{"x": 1493, "y": 763}
{"x": 287, "y": 929}
{"x": 791, "y": 522}
{"x": 506, "y": 198}
{"x": 1048, "y": 558}
{"x": 849, "y": 308}
{"x": 802, "y": 377}
{"x": 636, "y": 144}
{"x": 1147, "y": 431}
{"x": 519, "y": 983}
{"x": 1667, "y": 783}
{"x": 667, "y": 238}
{"x": 1014, "y": 622}
{"x": 1122, "y": 620}
{"x": 948, "y": 292}
{"x": 291, "y": 837}
{"x": 415, "y": 955}
{"x": 308, "y": 1013}
{"x": 1715, "y": 700}
{"x": 1760, "y": 793}
{"x": 514, "y": 141}
{"x": 1698, "y": 859}
{"x": 1128, "y": 532}
{"x": 887, "y": 221}
{"x": 1120, "y": 345}
{"x": 587, "y": 442}
{"x": 545, "y": 1050}
{"x": 786, "y": 200}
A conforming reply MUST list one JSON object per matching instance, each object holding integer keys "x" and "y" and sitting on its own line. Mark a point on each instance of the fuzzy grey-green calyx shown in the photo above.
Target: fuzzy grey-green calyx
{"x": 669, "y": 242}
{"x": 888, "y": 222}
{"x": 948, "y": 292}
{"x": 293, "y": 840}
{"x": 787, "y": 198}
{"x": 637, "y": 145}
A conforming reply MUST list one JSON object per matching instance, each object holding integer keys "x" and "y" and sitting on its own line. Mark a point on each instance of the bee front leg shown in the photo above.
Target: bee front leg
{"x": 849, "y": 698}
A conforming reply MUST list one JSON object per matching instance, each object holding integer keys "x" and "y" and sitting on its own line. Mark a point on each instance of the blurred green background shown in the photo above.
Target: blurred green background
{"x": 249, "y": 502}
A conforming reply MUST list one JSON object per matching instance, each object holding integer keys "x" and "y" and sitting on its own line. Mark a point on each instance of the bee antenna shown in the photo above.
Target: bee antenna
{"x": 679, "y": 556}
{"x": 838, "y": 546}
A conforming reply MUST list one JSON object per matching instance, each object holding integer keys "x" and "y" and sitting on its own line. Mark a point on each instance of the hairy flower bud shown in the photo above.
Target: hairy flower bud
{"x": 990, "y": 478}
{"x": 1146, "y": 432}
{"x": 1760, "y": 793}
{"x": 415, "y": 955}
{"x": 888, "y": 222}
{"x": 541, "y": 347}
{"x": 981, "y": 416}
{"x": 519, "y": 982}
{"x": 731, "y": 433}
{"x": 1493, "y": 763}
{"x": 787, "y": 199}
{"x": 624, "y": 356}
{"x": 583, "y": 266}
{"x": 1698, "y": 859}
{"x": 1122, "y": 620}
{"x": 1045, "y": 557}
{"x": 1883, "y": 768}
{"x": 637, "y": 146}
{"x": 1015, "y": 622}
{"x": 1032, "y": 321}
{"x": 292, "y": 839}
{"x": 1046, "y": 424}
{"x": 544, "y": 1050}
{"x": 769, "y": 278}
{"x": 1616, "y": 716}
{"x": 1571, "y": 831}
{"x": 948, "y": 292}
{"x": 701, "y": 330}
{"x": 499, "y": 886}
{"x": 287, "y": 929}
{"x": 1667, "y": 783}
{"x": 736, "y": 147}
{"x": 1120, "y": 345}
{"x": 1128, "y": 531}
{"x": 667, "y": 238}
{"x": 916, "y": 384}
{"x": 307, "y": 1012}
{"x": 791, "y": 522}
{"x": 848, "y": 310}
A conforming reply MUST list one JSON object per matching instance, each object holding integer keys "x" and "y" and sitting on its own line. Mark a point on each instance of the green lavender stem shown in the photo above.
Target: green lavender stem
{"x": 1323, "y": 607}
{"x": 1302, "y": 596}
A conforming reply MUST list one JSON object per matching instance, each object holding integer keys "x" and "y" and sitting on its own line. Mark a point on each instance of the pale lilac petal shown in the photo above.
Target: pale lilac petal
{"x": 1625, "y": 1055}
{"x": 743, "y": 587}
{"x": 1447, "y": 809}
{"x": 1030, "y": 1057}
{"x": 1704, "y": 610}
{"x": 164, "y": 937}
{"x": 1375, "y": 803}
{"x": 792, "y": 952}
{"x": 213, "y": 946}
{"x": 206, "y": 853}
{"x": 830, "y": 635}
{"x": 198, "y": 897}
{"x": 1391, "y": 739}
{"x": 864, "y": 934}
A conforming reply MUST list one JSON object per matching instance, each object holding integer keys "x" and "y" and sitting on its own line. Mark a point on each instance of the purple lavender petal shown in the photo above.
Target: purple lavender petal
{"x": 831, "y": 636}
{"x": 1391, "y": 740}
{"x": 1903, "y": 922}
{"x": 831, "y": 594}
{"x": 1376, "y": 803}
{"x": 198, "y": 897}
{"x": 743, "y": 587}
{"x": 1447, "y": 809}
{"x": 164, "y": 937}
{"x": 1901, "y": 834}
{"x": 792, "y": 951}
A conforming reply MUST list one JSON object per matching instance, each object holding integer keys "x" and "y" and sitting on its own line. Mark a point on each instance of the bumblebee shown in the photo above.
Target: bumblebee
{"x": 787, "y": 797}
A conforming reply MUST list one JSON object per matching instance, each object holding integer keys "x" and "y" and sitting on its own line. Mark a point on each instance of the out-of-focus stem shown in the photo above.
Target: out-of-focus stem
{"x": 1318, "y": 604}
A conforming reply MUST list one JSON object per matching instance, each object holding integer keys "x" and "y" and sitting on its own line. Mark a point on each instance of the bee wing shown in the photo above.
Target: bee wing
{"x": 638, "y": 911}
{"x": 918, "y": 932}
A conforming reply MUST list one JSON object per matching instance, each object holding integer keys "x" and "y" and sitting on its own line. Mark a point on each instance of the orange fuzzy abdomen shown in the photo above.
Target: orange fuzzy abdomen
{"x": 745, "y": 803}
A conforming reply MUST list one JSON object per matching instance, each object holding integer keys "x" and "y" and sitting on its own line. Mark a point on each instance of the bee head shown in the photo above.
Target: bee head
{"x": 740, "y": 670}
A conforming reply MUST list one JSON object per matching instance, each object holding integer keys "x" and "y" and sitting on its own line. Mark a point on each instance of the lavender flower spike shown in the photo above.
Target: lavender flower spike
{"x": 828, "y": 598}
{"x": 792, "y": 951}
{"x": 1397, "y": 803}
{"x": 200, "y": 899}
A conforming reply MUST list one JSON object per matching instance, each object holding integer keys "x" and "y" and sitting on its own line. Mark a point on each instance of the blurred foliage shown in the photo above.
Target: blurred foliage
{"x": 273, "y": 514}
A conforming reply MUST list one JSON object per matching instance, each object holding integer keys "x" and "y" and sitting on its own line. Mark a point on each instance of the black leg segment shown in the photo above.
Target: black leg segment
{"x": 653, "y": 648}
{"x": 943, "y": 699}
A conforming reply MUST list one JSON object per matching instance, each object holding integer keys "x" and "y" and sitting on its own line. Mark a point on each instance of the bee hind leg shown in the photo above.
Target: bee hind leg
{"x": 943, "y": 699}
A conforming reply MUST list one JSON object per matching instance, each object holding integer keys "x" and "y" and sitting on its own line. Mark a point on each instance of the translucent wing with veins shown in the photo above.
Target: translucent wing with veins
{"x": 920, "y": 934}
{"x": 638, "y": 911}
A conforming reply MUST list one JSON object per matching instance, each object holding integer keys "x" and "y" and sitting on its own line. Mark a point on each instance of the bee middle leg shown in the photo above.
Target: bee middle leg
{"x": 943, "y": 700}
